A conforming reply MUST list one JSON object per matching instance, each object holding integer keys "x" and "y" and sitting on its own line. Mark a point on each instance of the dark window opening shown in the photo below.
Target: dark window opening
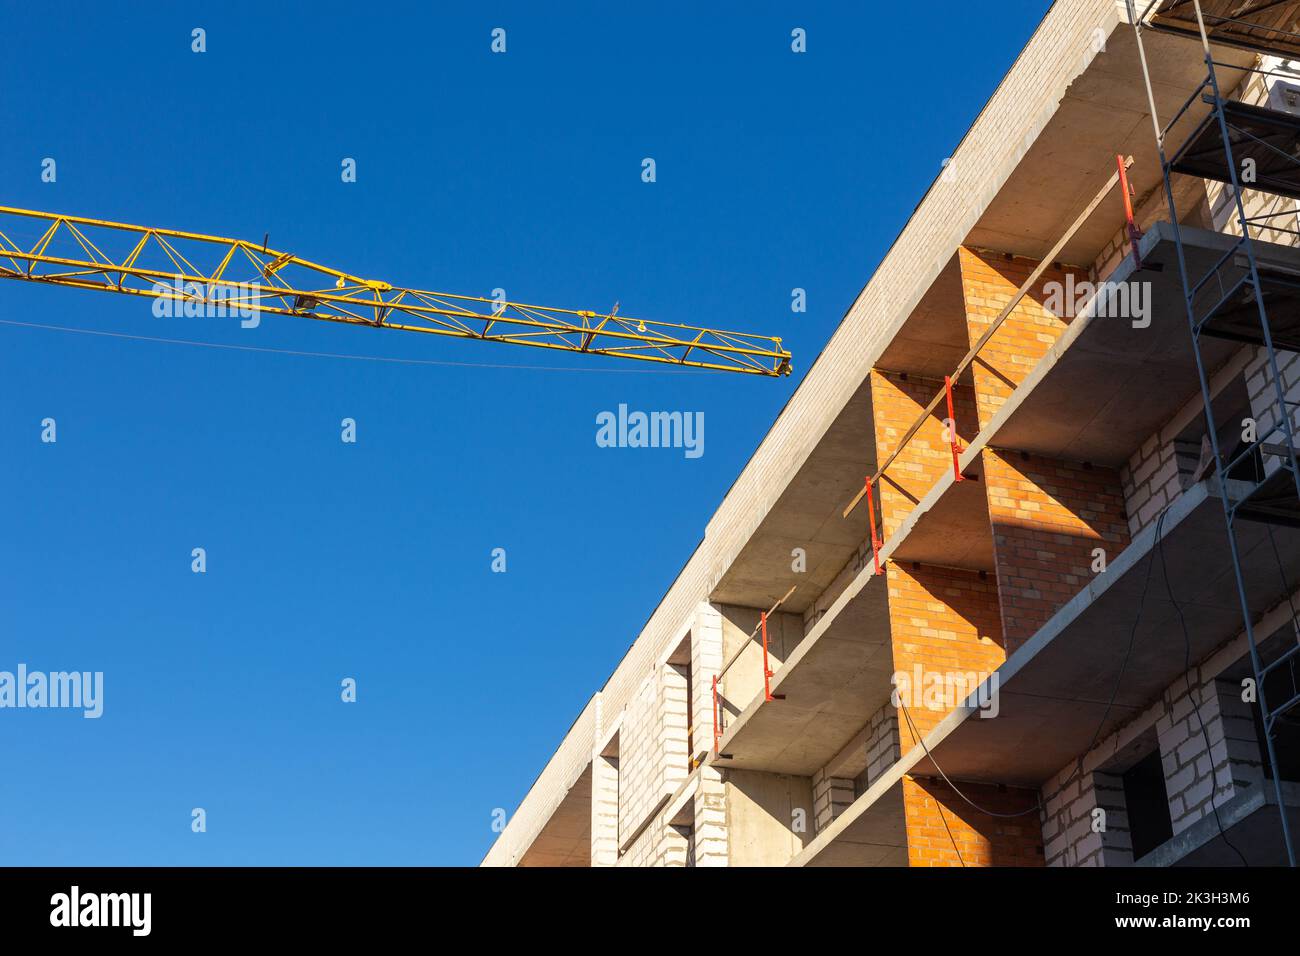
{"x": 690, "y": 719}
{"x": 1147, "y": 802}
{"x": 688, "y": 832}
{"x": 861, "y": 783}
{"x": 1192, "y": 448}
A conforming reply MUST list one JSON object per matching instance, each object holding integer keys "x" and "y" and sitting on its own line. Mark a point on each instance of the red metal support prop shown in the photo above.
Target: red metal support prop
{"x": 952, "y": 431}
{"x": 875, "y": 540}
{"x": 1134, "y": 233}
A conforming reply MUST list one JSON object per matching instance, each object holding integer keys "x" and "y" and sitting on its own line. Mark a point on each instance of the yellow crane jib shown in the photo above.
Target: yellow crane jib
{"x": 190, "y": 267}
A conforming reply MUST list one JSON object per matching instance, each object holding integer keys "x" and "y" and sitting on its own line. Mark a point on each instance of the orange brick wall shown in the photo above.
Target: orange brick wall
{"x": 989, "y": 280}
{"x": 945, "y": 620}
{"x": 896, "y": 404}
{"x": 945, "y": 830}
{"x": 1047, "y": 518}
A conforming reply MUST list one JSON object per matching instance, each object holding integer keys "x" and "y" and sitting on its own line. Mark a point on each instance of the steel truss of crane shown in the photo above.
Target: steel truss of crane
{"x": 243, "y": 277}
{"x": 1231, "y": 300}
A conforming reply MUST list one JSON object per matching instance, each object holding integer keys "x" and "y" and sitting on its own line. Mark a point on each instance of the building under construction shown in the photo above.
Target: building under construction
{"x": 1010, "y": 581}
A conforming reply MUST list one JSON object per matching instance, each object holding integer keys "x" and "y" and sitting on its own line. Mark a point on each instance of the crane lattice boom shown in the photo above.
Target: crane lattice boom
{"x": 188, "y": 267}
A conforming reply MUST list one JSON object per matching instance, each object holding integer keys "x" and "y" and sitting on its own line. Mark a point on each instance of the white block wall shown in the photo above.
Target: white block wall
{"x": 1254, "y": 89}
{"x": 1264, "y": 404}
{"x": 653, "y": 756}
{"x": 1070, "y": 830}
{"x": 831, "y": 797}
{"x": 1199, "y": 778}
{"x": 1196, "y": 778}
{"x": 1151, "y": 481}
{"x": 1263, "y": 395}
{"x": 873, "y": 751}
{"x": 659, "y": 845}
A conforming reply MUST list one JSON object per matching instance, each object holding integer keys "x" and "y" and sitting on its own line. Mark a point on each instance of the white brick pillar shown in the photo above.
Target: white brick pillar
{"x": 831, "y": 797}
{"x": 604, "y": 810}
{"x": 882, "y": 743}
{"x": 710, "y": 800}
{"x": 1263, "y": 398}
{"x": 1197, "y": 780}
{"x": 1074, "y": 834}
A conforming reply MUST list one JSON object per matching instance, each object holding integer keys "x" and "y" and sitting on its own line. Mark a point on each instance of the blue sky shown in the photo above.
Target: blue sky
{"x": 372, "y": 560}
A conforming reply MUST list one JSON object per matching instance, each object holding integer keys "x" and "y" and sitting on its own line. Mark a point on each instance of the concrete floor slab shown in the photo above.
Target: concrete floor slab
{"x": 875, "y": 838}
{"x": 1053, "y": 691}
{"x": 837, "y": 677}
{"x": 1251, "y": 823}
{"x": 871, "y": 831}
{"x": 565, "y": 840}
{"x": 949, "y": 526}
{"x": 1103, "y": 112}
{"x": 807, "y": 515}
{"x": 1105, "y": 386}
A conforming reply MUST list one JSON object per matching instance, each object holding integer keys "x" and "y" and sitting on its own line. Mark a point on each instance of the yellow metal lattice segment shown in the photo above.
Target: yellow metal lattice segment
{"x": 191, "y": 267}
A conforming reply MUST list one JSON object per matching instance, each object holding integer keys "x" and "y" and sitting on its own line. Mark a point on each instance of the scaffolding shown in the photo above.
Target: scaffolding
{"x": 1238, "y": 143}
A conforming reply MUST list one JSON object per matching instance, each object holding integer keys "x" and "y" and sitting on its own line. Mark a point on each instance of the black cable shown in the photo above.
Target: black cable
{"x": 1196, "y": 707}
{"x": 1119, "y": 678}
{"x": 1039, "y": 806}
{"x": 942, "y": 818}
{"x": 1132, "y": 634}
{"x": 228, "y": 346}
{"x": 921, "y": 741}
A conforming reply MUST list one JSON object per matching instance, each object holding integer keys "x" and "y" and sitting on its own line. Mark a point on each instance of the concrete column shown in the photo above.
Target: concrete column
{"x": 769, "y": 817}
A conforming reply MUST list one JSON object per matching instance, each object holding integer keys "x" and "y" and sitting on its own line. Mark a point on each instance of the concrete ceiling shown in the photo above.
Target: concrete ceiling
{"x": 875, "y": 837}
{"x": 808, "y": 515}
{"x": 950, "y": 526}
{"x": 935, "y": 337}
{"x": 1104, "y": 387}
{"x": 1104, "y": 113}
{"x": 566, "y": 838}
{"x": 835, "y": 680}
